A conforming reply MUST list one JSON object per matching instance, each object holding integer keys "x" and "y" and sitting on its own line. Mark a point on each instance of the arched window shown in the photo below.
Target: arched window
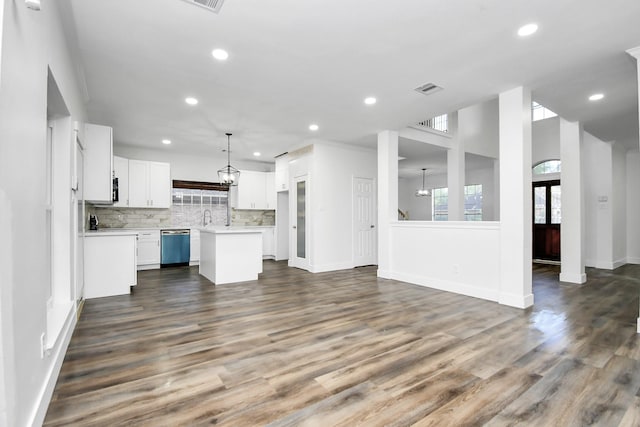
{"x": 550, "y": 166}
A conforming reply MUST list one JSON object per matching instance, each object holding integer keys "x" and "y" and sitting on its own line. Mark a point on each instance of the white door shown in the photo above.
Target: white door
{"x": 138, "y": 184}
{"x": 299, "y": 224}
{"x": 78, "y": 218}
{"x": 364, "y": 222}
{"x": 159, "y": 182}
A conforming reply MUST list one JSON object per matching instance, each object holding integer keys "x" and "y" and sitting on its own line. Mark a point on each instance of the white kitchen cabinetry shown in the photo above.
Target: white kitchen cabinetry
{"x": 110, "y": 263}
{"x": 98, "y": 164}
{"x": 282, "y": 173}
{"x": 148, "y": 249}
{"x": 121, "y": 171}
{"x": 256, "y": 190}
{"x": 194, "y": 239}
{"x": 270, "y": 190}
{"x": 149, "y": 184}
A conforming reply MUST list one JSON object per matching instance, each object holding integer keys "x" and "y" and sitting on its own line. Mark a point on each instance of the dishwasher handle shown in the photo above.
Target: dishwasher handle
{"x": 175, "y": 232}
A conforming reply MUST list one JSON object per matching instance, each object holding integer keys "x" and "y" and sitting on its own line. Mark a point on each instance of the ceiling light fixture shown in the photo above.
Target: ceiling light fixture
{"x": 596, "y": 97}
{"x": 166, "y": 141}
{"x": 370, "y": 100}
{"x": 314, "y": 127}
{"x": 422, "y": 191}
{"x": 257, "y": 153}
{"x": 220, "y": 54}
{"x": 191, "y": 101}
{"x": 527, "y": 30}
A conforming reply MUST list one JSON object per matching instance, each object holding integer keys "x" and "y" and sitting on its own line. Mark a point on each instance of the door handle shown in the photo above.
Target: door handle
{"x": 373, "y": 226}
{"x": 294, "y": 226}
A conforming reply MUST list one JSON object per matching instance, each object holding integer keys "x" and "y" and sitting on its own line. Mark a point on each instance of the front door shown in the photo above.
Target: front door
{"x": 299, "y": 237}
{"x": 547, "y": 216}
{"x": 364, "y": 222}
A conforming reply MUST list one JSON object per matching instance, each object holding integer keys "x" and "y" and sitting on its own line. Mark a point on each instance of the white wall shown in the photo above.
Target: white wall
{"x": 633, "y": 206}
{"x": 190, "y": 167}
{"x": 598, "y": 182}
{"x": 31, "y": 41}
{"x": 332, "y": 202}
{"x": 453, "y": 256}
{"x": 478, "y": 128}
{"x": 545, "y": 144}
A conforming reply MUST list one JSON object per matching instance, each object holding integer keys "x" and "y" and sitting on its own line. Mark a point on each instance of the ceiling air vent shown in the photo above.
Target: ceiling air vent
{"x": 428, "y": 89}
{"x": 211, "y": 5}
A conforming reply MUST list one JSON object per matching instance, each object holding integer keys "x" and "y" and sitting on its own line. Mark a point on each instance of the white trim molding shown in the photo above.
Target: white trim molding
{"x": 573, "y": 278}
{"x": 517, "y": 301}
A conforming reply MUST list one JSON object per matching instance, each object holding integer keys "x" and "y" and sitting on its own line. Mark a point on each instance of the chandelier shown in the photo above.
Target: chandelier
{"x": 422, "y": 191}
{"x": 229, "y": 175}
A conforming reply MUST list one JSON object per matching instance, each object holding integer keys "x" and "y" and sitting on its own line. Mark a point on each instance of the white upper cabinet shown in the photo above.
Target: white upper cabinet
{"x": 282, "y": 173}
{"x": 121, "y": 171}
{"x": 98, "y": 163}
{"x": 256, "y": 190}
{"x": 149, "y": 184}
{"x": 270, "y": 190}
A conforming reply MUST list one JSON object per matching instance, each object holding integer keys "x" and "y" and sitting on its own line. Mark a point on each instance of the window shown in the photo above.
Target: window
{"x": 472, "y": 203}
{"x": 550, "y": 166}
{"x": 199, "y": 203}
{"x": 440, "y": 200}
{"x": 540, "y": 112}
{"x": 439, "y": 123}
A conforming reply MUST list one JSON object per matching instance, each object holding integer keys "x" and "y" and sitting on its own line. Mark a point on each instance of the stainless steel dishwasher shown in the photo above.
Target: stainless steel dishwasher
{"x": 175, "y": 248}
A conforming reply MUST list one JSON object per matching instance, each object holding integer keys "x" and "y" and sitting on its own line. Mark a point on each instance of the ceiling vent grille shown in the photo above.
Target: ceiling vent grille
{"x": 428, "y": 89}
{"x": 211, "y": 5}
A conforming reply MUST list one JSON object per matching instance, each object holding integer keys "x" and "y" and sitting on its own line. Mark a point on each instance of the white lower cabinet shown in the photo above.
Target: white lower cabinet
{"x": 268, "y": 242}
{"x": 148, "y": 249}
{"x": 103, "y": 251}
{"x": 195, "y": 247}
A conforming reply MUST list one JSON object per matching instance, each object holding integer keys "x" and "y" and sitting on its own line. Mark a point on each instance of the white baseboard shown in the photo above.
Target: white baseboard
{"x": 639, "y": 325}
{"x": 57, "y": 356}
{"x": 578, "y": 278}
{"x": 148, "y": 267}
{"x": 384, "y": 274}
{"x": 449, "y": 286}
{"x": 619, "y": 263}
{"x": 633, "y": 260}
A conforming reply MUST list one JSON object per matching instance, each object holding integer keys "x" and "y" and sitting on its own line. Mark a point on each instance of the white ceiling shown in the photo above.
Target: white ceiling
{"x": 293, "y": 63}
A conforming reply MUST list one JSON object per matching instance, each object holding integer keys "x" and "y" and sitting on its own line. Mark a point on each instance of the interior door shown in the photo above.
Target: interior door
{"x": 364, "y": 222}
{"x": 547, "y": 218}
{"x": 299, "y": 229}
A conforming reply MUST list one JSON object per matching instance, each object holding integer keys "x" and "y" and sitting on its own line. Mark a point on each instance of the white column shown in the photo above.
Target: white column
{"x": 387, "y": 197}
{"x": 455, "y": 181}
{"x": 515, "y": 198}
{"x": 572, "y": 227}
{"x": 635, "y": 52}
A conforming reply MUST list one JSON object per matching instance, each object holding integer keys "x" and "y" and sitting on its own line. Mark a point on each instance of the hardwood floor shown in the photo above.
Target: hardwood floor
{"x": 347, "y": 348}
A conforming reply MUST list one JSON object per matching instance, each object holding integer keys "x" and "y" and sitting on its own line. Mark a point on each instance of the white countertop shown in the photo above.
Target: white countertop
{"x": 230, "y": 230}
{"x": 110, "y": 232}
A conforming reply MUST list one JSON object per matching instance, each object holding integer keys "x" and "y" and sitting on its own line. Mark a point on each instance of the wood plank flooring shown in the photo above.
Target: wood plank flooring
{"x": 346, "y": 348}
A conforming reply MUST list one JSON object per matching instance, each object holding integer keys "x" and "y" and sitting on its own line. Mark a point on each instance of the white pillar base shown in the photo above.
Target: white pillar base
{"x": 517, "y": 301}
{"x": 573, "y": 278}
{"x": 639, "y": 325}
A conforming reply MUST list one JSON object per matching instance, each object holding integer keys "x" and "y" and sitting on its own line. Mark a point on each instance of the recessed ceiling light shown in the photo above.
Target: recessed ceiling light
{"x": 527, "y": 30}
{"x": 191, "y": 101}
{"x": 257, "y": 153}
{"x": 596, "y": 97}
{"x": 370, "y": 100}
{"x": 166, "y": 141}
{"x": 220, "y": 54}
{"x": 314, "y": 127}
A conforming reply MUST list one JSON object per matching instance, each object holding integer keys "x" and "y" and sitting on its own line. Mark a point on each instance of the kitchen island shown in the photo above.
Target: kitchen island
{"x": 229, "y": 255}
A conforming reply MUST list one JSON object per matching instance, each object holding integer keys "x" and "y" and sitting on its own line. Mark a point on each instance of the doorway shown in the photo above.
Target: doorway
{"x": 547, "y": 219}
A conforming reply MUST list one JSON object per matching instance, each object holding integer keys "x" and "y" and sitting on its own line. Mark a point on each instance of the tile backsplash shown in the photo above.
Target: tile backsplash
{"x": 176, "y": 216}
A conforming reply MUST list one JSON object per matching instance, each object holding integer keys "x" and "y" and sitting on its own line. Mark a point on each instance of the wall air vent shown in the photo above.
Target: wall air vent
{"x": 211, "y": 5}
{"x": 428, "y": 89}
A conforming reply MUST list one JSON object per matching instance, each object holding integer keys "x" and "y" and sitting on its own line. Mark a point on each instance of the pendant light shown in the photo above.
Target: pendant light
{"x": 422, "y": 191}
{"x": 229, "y": 175}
